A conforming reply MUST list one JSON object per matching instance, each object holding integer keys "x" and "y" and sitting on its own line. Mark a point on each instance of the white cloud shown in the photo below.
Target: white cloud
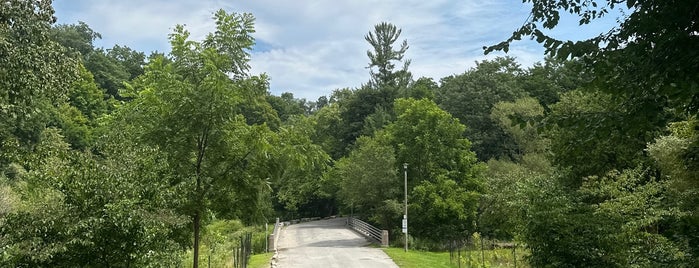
{"x": 317, "y": 46}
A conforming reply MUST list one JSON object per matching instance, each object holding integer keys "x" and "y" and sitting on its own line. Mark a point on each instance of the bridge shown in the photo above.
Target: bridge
{"x": 327, "y": 243}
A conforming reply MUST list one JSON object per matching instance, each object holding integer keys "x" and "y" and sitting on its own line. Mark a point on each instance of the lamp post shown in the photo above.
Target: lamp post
{"x": 405, "y": 205}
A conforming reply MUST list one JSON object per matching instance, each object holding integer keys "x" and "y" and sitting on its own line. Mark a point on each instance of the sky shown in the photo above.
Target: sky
{"x": 312, "y": 47}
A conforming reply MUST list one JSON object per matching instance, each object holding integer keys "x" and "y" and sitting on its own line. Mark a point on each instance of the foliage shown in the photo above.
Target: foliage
{"x": 221, "y": 237}
{"x": 471, "y": 96}
{"x": 634, "y": 202}
{"x": 110, "y": 67}
{"x": 422, "y": 88}
{"x": 611, "y": 221}
{"x": 669, "y": 152}
{"x": 383, "y": 56}
{"x": 560, "y": 233}
{"x": 441, "y": 209}
{"x": 639, "y": 73}
{"x": 86, "y": 97}
{"x": 430, "y": 140}
{"x": 357, "y": 107}
{"x": 77, "y": 210}
{"x": 286, "y": 106}
{"x": 501, "y": 205}
{"x": 129, "y": 60}
{"x": 297, "y": 164}
{"x": 649, "y": 53}
{"x": 442, "y": 172}
{"x": 593, "y": 133}
{"x": 520, "y": 119}
{"x": 75, "y": 37}
{"x": 34, "y": 74}
{"x": 546, "y": 81}
{"x": 77, "y": 118}
{"x": 328, "y": 123}
{"x": 190, "y": 106}
{"x": 369, "y": 181}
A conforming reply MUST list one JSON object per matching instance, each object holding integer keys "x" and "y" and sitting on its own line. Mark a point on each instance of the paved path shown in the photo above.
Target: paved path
{"x": 327, "y": 243}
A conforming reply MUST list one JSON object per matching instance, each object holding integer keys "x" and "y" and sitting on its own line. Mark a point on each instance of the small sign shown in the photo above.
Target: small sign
{"x": 405, "y": 225}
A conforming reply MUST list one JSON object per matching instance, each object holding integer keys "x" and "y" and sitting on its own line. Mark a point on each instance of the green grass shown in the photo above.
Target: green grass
{"x": 418, "y": 259}
{"x": 260, "y": 260}
{"x": 493, "y": 258}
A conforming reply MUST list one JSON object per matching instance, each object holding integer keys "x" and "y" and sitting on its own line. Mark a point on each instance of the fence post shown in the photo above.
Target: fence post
{"x": 270, "y": 242}
{"x": 384, "y": 238}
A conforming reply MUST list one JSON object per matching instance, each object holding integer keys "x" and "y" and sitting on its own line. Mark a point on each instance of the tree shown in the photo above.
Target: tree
{"x": 286, "y": 105}
{"x": 521, "y": 119}
{"x": 650, "y": 52}
{"x": 76, "y": 37}
{"x": 546, "y": 81}
{"x": 86, "y": 97}
{"x": 383, "y": 88}
{"x": 109, "y": 74}
{"x": 78, "y": 117}
{"x": 369, "y": 182}
{"x": 443, "y": 209}
{"x": 357, "y": 107}
{"x": 74, "y": 209}
{"x": 440, "y": 163}
{"x": 471, "y": 96}
{"x": 381, "y": 40}
{"x": 328, "y": 124}
{"x": 669, "y": 153}
{"x": 190, "y": 107}
{"x": 500, "y": 208}
{"x": 297, "y": 165}
{"x": 640, "y": 83}
{"x": 561, "y": 232}
{"x": 34, "y": 74}
{"x": 423, "y": 87}
{"x": 593, "y": 133}
{"x": 503, "y": 203}
{"x": 110, "y": 67}
{"x": 430, "y": 140}
{"x": 321, "y": 102}
{"x": 130, "y": 60}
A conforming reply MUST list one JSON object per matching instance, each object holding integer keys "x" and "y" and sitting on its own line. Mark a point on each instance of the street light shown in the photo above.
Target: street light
{"x": 405, "y": 205}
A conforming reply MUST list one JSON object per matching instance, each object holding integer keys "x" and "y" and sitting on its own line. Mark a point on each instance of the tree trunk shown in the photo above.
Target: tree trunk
{"x": 197, "y": 220}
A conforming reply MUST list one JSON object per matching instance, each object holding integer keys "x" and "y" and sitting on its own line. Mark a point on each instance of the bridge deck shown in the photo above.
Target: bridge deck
{"x": 328, "y": 243}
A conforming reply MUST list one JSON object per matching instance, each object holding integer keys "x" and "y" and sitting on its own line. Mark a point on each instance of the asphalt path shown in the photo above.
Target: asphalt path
{"x": 327, "y": 243}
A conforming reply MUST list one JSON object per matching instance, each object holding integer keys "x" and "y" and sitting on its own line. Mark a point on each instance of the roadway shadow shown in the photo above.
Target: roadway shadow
{"x": 333, "y": 224}
{"x": 340, "y": 223}
{"x": 340, "y": 243}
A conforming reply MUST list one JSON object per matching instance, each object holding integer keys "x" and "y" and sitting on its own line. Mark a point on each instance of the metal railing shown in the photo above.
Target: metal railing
{"x": 365, "y": 228}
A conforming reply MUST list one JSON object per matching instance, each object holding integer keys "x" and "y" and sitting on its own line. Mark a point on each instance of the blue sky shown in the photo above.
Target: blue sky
{"x": 311, "y": 47}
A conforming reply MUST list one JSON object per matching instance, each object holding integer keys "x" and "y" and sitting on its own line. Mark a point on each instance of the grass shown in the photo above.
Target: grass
{"x": 260, "y": 260}
{"x": 418, "y": 259}
{"x": 493, "y": 258}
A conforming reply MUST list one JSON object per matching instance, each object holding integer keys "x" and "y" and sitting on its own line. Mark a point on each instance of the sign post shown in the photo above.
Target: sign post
{"x": 405, "y": 204}
{"x": 405, "y": 224}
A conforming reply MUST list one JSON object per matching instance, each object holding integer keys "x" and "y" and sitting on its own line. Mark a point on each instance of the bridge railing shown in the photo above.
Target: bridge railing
{"x": 273, "y": 239}
{"x": 368, "y": 230}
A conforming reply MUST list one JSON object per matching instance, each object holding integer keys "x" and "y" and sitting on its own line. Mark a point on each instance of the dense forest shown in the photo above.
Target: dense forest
{"x": 113, "y": 158}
